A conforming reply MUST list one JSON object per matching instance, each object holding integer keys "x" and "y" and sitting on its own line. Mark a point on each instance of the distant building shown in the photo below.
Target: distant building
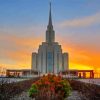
{"x": 78, "y": 73}
{"x": 20, "y": 72}
{"x": 50, "y": 58}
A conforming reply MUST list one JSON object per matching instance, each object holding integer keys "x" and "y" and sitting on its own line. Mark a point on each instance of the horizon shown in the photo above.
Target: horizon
{"x": 76, "y": 24}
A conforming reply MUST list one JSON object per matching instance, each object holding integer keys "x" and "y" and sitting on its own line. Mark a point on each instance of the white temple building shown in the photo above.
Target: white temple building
{"x": 50, "y": 58}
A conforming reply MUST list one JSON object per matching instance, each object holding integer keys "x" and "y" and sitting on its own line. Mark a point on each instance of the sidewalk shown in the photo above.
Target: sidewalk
{"x": 75, "y": 95}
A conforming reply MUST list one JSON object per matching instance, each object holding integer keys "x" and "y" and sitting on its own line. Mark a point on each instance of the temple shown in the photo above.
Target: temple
{"x": 50, "y": 58}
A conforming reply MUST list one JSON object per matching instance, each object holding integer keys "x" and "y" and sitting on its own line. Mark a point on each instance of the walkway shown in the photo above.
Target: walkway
{"x": 75, "y": 95}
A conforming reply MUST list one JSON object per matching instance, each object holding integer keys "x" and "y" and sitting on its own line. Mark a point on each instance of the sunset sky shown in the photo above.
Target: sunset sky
{"x": 23, "y": 25}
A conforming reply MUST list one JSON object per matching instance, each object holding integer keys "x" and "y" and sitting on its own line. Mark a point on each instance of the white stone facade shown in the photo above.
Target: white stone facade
{"x": 50, "y": 58}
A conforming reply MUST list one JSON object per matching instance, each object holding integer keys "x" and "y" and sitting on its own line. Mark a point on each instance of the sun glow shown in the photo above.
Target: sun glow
{"x": 80, "y": 66}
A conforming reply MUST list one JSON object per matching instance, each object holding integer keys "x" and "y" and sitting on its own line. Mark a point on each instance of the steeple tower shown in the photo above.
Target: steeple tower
{"x": 50, "y": 34}
{"x": 50, "y": 18}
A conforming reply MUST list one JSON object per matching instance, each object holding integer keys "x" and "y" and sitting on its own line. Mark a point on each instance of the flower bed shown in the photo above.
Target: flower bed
{"x": 50, "y": 87}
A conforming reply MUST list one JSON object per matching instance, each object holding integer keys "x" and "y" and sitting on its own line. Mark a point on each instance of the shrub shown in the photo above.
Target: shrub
{"x": 33, "y": 90}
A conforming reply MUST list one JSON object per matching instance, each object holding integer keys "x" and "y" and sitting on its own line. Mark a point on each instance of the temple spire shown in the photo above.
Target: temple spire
{"x": 50, "y": 34}
{"x": 50, "y": 18}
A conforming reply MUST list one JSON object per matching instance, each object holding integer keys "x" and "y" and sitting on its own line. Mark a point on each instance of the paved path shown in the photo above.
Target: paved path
{"x": 93, "y": 81}
{"x": 75, "y": 95}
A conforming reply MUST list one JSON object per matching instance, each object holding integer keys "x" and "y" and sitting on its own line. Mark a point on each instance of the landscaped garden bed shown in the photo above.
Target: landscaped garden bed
{"x": 50, "y": 87}
{"x": 9, "y": 90}
{"x": 90, "y": 91}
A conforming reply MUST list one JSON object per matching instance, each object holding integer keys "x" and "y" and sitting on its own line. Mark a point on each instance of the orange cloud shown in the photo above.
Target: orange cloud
{"x": 81, "y": 56}
{"x": 16, "y": 51}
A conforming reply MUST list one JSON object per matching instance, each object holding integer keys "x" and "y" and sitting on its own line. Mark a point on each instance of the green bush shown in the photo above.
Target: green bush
{"x": 33, "y": 90}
